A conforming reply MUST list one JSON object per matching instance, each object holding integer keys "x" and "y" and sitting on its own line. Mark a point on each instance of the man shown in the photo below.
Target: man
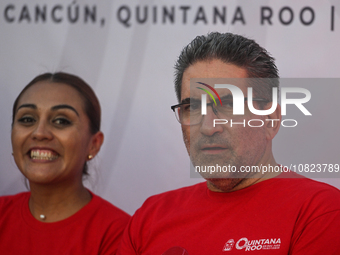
{"x": 233, "y": 212}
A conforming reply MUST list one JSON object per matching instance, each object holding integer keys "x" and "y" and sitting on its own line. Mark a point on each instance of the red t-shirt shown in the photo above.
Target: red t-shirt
{"x": 95, "y": 229}
{"x": 275, "y": 216}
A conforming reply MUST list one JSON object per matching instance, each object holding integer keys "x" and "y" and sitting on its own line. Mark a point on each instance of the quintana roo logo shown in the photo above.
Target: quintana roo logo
{"x": 229, "y": 245}
{"x": 253, "y": 244}
{"x": 204, "y": 97}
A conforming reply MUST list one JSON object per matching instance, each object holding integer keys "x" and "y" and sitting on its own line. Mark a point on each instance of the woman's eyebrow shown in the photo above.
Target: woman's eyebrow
{"x": 64, "y": 106}
{"x": 32, "y": 106}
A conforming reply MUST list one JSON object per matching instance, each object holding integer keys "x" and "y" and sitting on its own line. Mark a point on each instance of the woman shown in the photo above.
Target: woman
{"x": 55, "y": 131}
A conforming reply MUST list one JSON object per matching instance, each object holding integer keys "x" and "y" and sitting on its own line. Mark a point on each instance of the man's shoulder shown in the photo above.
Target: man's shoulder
{"x": 295, "y": 181}
{"x": 183, "y": 191}
{"x": 302, "y": 190}
{"x": 177, "y": 196}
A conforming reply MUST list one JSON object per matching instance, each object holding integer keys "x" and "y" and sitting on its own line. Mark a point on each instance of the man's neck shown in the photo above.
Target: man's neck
{"x": 234, "y": 184}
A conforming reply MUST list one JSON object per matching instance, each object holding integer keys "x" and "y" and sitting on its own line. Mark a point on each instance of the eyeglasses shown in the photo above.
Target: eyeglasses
{"x": 189, "y": 114}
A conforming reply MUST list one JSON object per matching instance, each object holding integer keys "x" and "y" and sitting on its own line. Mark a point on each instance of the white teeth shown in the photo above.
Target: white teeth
{"x": 43, "y": 155}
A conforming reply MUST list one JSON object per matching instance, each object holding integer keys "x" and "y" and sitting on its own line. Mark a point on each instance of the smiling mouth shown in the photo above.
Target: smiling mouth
{"x": 43, "y": 155}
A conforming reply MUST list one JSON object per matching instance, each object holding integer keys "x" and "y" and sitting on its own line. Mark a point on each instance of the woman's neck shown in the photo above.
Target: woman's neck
{"x": 51, "y": 203}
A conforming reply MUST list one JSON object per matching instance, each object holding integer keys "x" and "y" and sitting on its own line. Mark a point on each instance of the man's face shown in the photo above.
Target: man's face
{"x": 223, "y": 145}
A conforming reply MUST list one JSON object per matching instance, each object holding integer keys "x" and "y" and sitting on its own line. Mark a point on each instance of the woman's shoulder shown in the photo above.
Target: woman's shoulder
{"x": 104, "y": 207}
{"x": 10, "y": 200}
{"x": 11, "y": 206}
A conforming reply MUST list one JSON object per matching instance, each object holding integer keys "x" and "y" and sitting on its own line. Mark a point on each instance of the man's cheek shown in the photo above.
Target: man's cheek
{"x": 186, "y": 137}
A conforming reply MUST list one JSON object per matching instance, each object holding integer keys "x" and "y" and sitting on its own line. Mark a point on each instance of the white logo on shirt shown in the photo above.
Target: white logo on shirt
{"x": 253, "y": 245}
{"x": 229, "y": 245}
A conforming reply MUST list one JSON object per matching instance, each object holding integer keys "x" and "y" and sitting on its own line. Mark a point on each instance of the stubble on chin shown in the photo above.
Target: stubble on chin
{"x": 225, "y": 184}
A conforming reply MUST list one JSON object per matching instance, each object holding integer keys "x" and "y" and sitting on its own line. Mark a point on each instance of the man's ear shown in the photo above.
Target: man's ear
{"x": 95, "y": 143}
{"x": 273, "y": 121}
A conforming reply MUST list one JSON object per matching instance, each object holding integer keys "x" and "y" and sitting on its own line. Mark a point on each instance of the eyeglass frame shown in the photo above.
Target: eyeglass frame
{"x": 173, "y": 108}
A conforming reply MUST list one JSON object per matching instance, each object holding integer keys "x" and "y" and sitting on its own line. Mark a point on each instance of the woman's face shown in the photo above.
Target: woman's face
{"x": 50, "y": 135}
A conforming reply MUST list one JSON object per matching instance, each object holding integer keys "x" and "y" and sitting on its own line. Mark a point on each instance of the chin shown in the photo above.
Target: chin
{"x": 38, "y": 179}
{"x": 223, "y": 184}
{"x": 38, "y": 176}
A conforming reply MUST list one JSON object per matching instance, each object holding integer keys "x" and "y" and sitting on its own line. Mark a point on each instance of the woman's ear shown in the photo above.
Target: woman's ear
{"x": 96, "y": 143}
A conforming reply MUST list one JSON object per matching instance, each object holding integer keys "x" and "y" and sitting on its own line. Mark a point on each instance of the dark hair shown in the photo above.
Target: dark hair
{"x": 91, "y": 103}
{"x": 233, "y": 49}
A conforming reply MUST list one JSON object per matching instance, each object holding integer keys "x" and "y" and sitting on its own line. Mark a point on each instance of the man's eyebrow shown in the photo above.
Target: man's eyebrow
{"x": 190, "y": 100}
{"x": 227, "y": 97}
{"x": 32, "y": 106}
{"x": 64, "y": 106}
{"x": 186, "y": 101}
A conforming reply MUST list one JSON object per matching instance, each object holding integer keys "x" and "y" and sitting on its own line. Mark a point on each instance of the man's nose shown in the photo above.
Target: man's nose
{"x": 207, "y": 124}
